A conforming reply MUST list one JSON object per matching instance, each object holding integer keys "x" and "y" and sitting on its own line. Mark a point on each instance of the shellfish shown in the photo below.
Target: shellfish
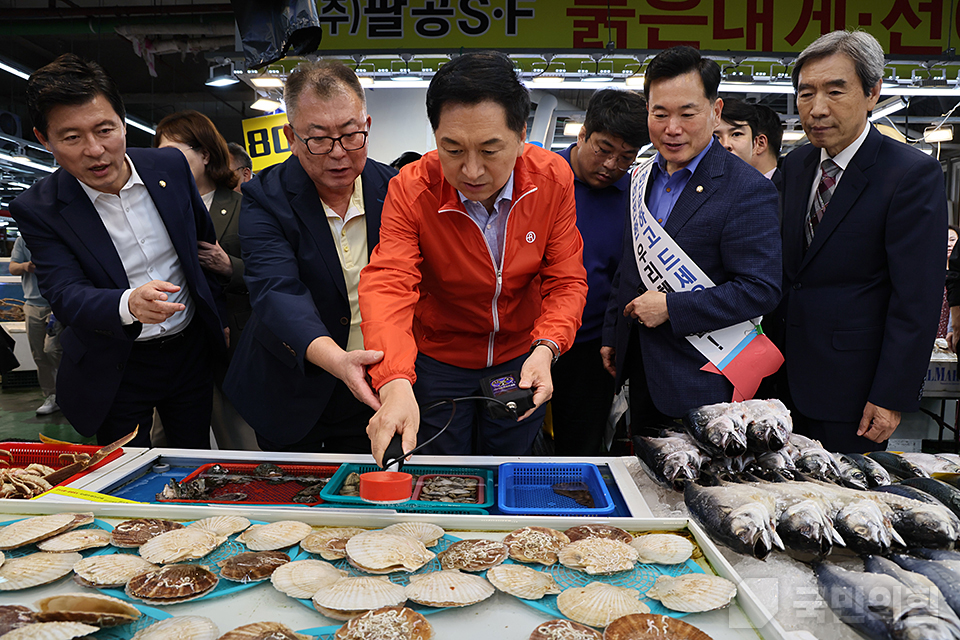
{"x": 473, "y": 555}
{"x": 221, "y": 525}
{"x": 535, "y": 544}
{"x": 598, "y": 531}
{"x": 378, "y": 552}
{"x": 395, "y": 623}
{"x": 649, "y": 626}
{"x": 598, "y": 604}
{"x": 36, "y": 569}
{"x": 13, "y": 616}
{"x": 110, "y": 571}
{"x": 264, "y": 631}
{"x": 24, "y": 532}
{"x": 598, "y": 556}
{"x": 303, "y": 578}
{"x": 276, "y": 535}
{"x": 349, "y": 597}
{"x": 180, "y": 544}
{"x": 428, "y": 534}
{"x": 330, "y": 543}
{"x": 448, "y": 588}
{"x": 662, "y": 548}
{"x": 252, "y": 566}
{"x": 90, "y": 608}
{"x": 181, "y": 628}
{"x": 692, "y": 592}
{"x": 51, "y": 631}
{"x": 522, "y": 581}
{"x": 76, "y": 540}
{"x": 133, "y": 533}
{"x": 565, "y": 630}
{"x": 172, "y": 584}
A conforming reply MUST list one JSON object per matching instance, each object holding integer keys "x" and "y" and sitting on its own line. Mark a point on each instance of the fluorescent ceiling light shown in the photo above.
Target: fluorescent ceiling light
{"x": 27, "y": 162}
{"x": 136, "y": 124}
{"x": 597, "y": 79}
{"x": 265, "y": 104}
{"x": 547, "y": 80}
{"x": 634, "y": 81}
{"x": 365, "y": 81}
{"x": 22, "y": 185}
{"x": 793, "y": 135}
{"x": 17, "y": 72}
{"x": 572, "y": 129}
{"x": 888, "y": 107}
{"x": 267, "y": 82}
{"x": 941, "y": 133}
{"x": 221, "y": 76}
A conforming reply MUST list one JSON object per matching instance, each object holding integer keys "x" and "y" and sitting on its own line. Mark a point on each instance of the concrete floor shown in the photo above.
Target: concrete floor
{"x": 20, "y": 422}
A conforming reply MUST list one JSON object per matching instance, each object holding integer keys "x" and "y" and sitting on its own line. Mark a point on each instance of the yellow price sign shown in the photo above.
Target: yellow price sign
{"x": 264, "y": 140}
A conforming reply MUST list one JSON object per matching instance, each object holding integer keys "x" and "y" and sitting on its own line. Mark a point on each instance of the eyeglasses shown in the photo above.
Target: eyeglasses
{"x": 322, "y": 145}
{"x": 623, "y": 162}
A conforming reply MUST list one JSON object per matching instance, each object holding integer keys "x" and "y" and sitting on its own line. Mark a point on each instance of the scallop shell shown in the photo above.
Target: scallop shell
{"x": 598, "y": 531}
{"x": 36, "y": 569}
{"x": 252, "y": 566}
{"x": 330, "y": 543}
{"x": 24, "y": 532}
{"x": 51, "y": 631}
{"x": 448, "y": 588}
{"x": 91, "y": 608}
{"x": 13, "y": 616}
{"x": 473, "y": 555}
{"x": 2, "y": 558}
{"x": 522, "y": 582}
{"x": 264, "y": 631}
{"x": 110, "y": 571}
{"x": 649, "y": 626}
{"x": 221, "y": 525}
{"x": 276, "y": 535}
{"x": 396, "y": 623}
{"x": 180, "y": 544}
{"x": 171, "y": 584}
{"x": 378, "y": 552}
{"x": 181, "y": 628}
{"x": 76, "y": 540}
{"x": 692, "y": 592}
{"x": 349, "y": 597}
{"x": 428, "y": 534}
{"x": 598, "y": 604}
{"x": 565, "y": 630}
{"x": 133, "y": 533}
{"x": 598, "y": 556}
{"x": 303, "y": 578}
{"x": 535, "y": 544}
{"x": 662, "y": 548}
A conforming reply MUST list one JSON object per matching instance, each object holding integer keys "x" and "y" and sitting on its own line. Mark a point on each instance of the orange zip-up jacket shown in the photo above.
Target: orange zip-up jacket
{"x": 432, "y": 285}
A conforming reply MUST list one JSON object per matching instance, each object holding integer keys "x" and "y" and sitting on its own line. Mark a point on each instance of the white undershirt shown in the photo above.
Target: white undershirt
{"x": 842, "y": 159}
{"x": 146, "y": 251}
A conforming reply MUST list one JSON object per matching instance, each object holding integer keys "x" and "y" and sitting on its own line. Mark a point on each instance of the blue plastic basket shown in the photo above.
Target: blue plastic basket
{"x": 527, "y": 489}
{"x": 330, "y": 492}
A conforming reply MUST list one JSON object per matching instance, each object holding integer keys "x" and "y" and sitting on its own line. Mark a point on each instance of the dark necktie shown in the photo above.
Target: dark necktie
{"x": 828, "y": 182}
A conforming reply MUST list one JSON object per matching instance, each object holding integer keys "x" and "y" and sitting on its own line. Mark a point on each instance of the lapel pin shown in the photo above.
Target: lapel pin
{"x": 699, "y": 188}
{"x": 223, "y": 212}
{"x": 163, "y": 183}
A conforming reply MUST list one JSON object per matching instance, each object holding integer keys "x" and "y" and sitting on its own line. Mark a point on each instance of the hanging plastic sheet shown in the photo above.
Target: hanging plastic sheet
{"x": 270, "y": 29}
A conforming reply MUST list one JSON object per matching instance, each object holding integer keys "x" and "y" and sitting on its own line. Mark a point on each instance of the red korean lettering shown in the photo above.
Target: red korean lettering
{"x": 594, "y": 14}
{"x": 822, "y": 15}
{"x": 654, "y": 41}
{"x": 902, "y": 9}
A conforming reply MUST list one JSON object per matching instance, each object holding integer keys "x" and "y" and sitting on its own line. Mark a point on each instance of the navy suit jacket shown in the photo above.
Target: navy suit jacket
{"x": 861, "y": 305}
{"x": 729, "y": 228}
{"x": 298, "y": 294}
{"x": 80, "y": 273}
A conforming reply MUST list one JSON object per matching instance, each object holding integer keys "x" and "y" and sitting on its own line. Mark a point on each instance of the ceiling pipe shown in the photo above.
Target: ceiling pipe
{"x": 543, "y": 127}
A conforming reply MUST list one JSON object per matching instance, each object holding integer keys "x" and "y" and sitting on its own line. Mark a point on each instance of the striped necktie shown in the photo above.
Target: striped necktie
{"x": 828, "y": 182}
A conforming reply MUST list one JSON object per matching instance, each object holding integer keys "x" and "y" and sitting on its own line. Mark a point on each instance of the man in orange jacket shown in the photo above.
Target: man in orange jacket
{"x": 479, "y": 270}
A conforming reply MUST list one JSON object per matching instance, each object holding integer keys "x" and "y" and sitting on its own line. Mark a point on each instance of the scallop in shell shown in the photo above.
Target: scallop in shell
{"x": 276, "y": 535}
{"x": 76, "y": 540}
{"x": 598, "y": 531}
{"x": 24, "y": 532}
{"x": 91, "y": 608}
{"x": 349, "y": 597}
{"x": 171, "y": 584}
{"x": 522, "y": 582}
{"x": 396, "y": 623}
{"x": 330, "y": 543}
{"x": 565, "y": 630}
{"x": 133, "y": 533}
{"x": 252, "y": 566}
{"x": 535, "y": 544}
{"x": 649, "y": 626}
{"x": 378, "y": 552}
{"x": 598, "y": 556}
{"x": 181, "y": 628}
{"x": 110, "y": 571}
{"x": 598, "y": 604}
{"x": 51, "y": 631}
{"x": 13, "y": 616}
{"x": 303, "y": 578}
{"x": 178, "y": 545}
{"x": 662, "y": 548}
{"x": 428, "y": 534}
{"x": 264, "y": 631}
{"x": 473, "y": 555}
{"x": 692, "y": 592}
{"x": 221, "y": 525}
{"x": 2, "y": 558}
{"x": 36, "y": 569}
{"x": 448, "y": 588}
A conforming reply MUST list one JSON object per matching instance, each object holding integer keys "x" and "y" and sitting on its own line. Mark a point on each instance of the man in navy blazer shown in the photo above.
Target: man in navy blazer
{"x": 114, "y": 237}
{"x": 723, "y": 214}
{"x": 307, "y": 227}
{"x": 862, "y": 298}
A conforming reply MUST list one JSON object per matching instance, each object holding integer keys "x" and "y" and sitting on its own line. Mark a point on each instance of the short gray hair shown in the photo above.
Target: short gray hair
{"x": 861, "y": 47}
{"x": 326, "y": 78}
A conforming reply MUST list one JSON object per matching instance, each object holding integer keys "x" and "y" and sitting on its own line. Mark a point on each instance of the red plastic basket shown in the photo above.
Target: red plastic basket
{"x": 26, "y": 453}
{"x": 262, "y": 491}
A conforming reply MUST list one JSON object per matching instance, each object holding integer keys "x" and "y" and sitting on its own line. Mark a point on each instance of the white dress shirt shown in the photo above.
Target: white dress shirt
{"x": 146, "y": 251}
{"x": 842, "y": 159}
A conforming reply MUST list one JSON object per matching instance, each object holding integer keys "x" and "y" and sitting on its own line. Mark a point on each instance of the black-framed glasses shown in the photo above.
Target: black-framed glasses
{"x": 624, "y": 162}
{"x": 322, "y": 145}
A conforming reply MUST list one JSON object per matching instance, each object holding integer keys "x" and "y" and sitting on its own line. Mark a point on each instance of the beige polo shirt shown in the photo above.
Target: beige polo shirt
{"x": 350, "y": 236}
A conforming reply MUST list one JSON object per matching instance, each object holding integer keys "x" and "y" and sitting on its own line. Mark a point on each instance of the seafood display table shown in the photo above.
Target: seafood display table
{"x": 502, "y": 616}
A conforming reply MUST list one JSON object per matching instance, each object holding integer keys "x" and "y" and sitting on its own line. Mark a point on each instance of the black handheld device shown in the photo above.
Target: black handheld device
{"x": 513, "y": 401}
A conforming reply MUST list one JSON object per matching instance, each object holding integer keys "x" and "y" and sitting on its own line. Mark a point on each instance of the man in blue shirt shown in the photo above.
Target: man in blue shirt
{"x": 722, "y": 214}
{"x": 613, "y": 131}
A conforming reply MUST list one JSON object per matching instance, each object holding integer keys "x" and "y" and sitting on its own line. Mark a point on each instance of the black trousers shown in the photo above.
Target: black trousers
{"x": 582, "y": 395}
{"x": 174, "y": 375}
{"x": 645, "y": 418}
{"x": 834, "y": 436}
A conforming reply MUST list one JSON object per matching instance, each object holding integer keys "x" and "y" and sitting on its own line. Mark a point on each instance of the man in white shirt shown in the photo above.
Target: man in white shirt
{"x": 114, "y": 237}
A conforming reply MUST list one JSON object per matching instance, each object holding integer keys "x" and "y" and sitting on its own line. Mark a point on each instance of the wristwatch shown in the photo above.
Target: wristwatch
{"x": 549, "y": 344}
